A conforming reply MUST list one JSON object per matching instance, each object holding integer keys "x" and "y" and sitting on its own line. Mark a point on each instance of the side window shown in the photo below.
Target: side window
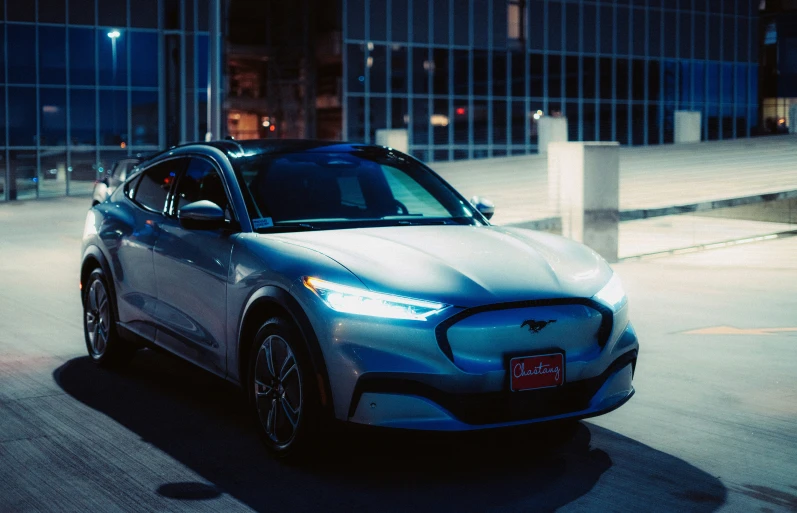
{"x": 154, "y": 185}
{"x": 201, "y": 181}
{"x": 130, "y": 187}
{"x": 121, "y": 172}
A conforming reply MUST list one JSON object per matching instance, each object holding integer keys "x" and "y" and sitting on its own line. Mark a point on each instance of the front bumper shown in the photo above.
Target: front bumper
{"x": 389, "y": 402}
{"x": 417, "y": 375}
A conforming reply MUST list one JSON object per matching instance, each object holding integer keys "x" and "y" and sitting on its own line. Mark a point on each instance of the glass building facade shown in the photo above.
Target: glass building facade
{"x": 469, "y": 78}
{"x": 86, "y": 82}
{"x": 778, "y": 73}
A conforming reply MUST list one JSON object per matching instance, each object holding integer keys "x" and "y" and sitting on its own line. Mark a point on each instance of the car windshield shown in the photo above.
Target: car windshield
{"x": 319, "y": 190}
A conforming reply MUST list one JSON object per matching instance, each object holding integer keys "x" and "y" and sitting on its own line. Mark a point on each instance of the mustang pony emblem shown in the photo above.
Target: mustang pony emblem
{"x": 536, "y": 326}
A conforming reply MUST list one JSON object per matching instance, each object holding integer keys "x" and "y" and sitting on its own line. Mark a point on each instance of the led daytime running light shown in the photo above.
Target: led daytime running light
{"x": 342, "y": 298}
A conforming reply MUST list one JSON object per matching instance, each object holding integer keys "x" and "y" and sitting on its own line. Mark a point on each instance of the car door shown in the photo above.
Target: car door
{"x": 131, "y": 241}
{"x": 192, "y": 268}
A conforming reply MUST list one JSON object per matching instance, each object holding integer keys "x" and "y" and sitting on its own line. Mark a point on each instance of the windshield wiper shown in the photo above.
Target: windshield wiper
{"x": 288, "y": 227}
{"x": 421, "y": 222}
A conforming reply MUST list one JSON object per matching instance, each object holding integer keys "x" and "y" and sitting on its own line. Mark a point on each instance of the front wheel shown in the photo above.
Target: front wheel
{"x": 283, "y": 397}
{"x": 104, "y": 345}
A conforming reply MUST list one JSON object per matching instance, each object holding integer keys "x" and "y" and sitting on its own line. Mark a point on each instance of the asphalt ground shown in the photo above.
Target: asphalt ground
{"x": 713, "y": 425}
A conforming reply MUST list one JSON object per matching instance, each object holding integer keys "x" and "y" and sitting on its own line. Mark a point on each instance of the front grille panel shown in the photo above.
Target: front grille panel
{"x": 442, "y": 331}
{"x": 481, "y": 342}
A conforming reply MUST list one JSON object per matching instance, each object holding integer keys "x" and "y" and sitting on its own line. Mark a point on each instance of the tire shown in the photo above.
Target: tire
{"x": 283, "y": 397}
{"x": 103, "y": 343}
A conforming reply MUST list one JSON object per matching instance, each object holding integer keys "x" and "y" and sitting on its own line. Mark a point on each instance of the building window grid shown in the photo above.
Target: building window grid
{"x": 471, "y": 38}
{"x": 367, "y": 73}
{"x": 430, "y": 76}
{"x": 6, "y": 171}
{"x": 730, "y": 107}
{"x": 490, "y": 98}
{"x": 450, "y": 82}
{"x": 389, "y": 70}
{"x": 98, "y": 147}
{"x": 38, "y": 100}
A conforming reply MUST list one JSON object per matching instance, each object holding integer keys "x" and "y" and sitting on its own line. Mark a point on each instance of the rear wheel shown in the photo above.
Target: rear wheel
{"x": 104, "y": 345}
{"x": 284, "y": 401}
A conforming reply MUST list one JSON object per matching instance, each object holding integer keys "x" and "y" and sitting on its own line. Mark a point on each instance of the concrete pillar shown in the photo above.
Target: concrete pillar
{"x": 61, "y": 174}
{"x": 687, "y": 126}
{"x": 588, "y": 176}
{"x": 792, "y": 120}
{"x": 396, "y": 138}
{"x": 550, "y": 129}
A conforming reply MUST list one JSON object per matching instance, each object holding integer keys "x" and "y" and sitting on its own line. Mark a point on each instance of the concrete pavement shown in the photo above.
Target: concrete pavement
{"x": 713, "y": 425}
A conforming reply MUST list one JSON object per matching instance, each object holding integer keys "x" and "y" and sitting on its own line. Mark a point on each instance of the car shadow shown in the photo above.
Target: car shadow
{"x": 200, "y": 421}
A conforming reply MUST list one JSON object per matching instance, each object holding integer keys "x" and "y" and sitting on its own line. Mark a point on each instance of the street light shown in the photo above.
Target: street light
{"x": 114, "y": 35}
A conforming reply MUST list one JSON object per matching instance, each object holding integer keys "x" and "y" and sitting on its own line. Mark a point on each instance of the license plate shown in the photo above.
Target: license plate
{"x": 541, "y": 371}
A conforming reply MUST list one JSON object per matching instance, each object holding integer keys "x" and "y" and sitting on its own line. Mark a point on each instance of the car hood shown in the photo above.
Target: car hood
{"x": 462, "y": 265}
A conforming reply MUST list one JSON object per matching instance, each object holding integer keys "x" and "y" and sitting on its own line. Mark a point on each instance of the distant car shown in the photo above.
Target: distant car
{"x": 118, "y": 173}
{"x": 25, "y": 180}
{"x": 350, "y": 282}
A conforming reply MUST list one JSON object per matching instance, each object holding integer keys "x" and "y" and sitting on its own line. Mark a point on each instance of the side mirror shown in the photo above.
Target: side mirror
{"x": 483, "y": 205}
{"x": 201, "y": 215}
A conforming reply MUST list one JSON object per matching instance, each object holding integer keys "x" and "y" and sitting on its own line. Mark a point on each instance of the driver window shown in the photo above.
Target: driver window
{"x": 154, "y": 184}
{"x": 201, "y": 181}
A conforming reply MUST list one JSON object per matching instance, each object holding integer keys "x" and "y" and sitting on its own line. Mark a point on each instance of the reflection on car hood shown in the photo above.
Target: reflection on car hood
{"x": 462, "y": 265}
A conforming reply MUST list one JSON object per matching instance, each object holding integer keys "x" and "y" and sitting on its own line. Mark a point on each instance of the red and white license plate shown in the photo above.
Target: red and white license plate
{"x": 541, "y": 371}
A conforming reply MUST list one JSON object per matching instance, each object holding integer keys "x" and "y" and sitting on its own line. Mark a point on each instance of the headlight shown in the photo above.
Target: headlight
{"x": 362, "y": 302}
{"x": 612, "y": 293}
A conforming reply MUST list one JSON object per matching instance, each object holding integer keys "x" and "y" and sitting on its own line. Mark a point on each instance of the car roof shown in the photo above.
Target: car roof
{"x": 252, "y": 147}
{"x": 235, "y": 150}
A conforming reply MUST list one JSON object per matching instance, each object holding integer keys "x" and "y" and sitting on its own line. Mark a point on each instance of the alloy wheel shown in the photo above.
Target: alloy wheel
{"x": 98, "y": 318}
{"x": 278, "y": 390}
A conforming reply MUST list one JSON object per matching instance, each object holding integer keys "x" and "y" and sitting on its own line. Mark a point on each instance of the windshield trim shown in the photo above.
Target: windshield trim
{"x": 291, "y": 226}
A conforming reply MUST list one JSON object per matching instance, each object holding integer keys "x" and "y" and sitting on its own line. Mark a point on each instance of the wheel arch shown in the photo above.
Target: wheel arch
{"x": 273, "y": 301}
{"x": 92, "y": 259}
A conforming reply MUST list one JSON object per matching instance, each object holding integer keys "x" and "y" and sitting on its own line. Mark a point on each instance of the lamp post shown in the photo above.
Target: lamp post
{"x": 114, "y": 35}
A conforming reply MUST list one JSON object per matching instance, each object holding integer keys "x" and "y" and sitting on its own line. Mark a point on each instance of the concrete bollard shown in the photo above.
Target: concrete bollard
{"x": 396, "y": 138}
{"x": 550, "y": 129}
{"x": 687, "y": 126}
{"x": 587, "y": 176}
